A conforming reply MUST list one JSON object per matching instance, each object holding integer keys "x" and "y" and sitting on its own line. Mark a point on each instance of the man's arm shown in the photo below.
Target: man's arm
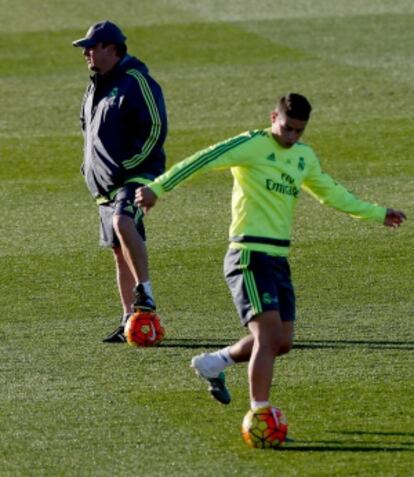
{"x": 224, "y": 155}
{"x": 148, "y": 113}
{"x": 329, "y": 192}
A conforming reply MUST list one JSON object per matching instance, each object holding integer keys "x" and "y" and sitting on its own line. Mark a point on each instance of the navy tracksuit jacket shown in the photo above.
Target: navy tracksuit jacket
{"x": 124, "y": 123}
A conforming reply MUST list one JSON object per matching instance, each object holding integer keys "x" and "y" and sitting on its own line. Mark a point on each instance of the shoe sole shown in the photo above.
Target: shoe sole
{"x": 114, "y": 340}
{"x": 217, "y": 387}
{"x": 115, "y": 337}
{"x": 218, "y": 390}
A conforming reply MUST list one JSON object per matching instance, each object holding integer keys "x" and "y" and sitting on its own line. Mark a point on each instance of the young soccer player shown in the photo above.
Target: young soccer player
{"x": 269, "y": 167}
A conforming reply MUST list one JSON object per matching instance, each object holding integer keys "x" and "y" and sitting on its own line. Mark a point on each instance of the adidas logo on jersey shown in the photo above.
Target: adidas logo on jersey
{"x": 271, "y": 157}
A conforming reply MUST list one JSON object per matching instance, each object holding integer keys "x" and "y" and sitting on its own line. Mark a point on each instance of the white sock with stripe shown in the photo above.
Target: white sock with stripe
{"x": 224, "y": 356}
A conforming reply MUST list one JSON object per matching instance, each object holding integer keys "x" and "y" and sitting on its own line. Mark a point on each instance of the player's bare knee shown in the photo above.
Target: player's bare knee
{"x": 285, "y": 347}
{"x": 270, "y": 344}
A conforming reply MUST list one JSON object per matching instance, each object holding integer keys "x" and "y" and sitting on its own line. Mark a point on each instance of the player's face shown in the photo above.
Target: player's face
{"x": 99, "y": 58}
{"x": 286, "y": 130}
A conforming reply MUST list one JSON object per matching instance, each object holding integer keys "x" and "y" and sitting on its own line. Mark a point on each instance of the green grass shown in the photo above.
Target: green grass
{"x": 70, "y": 405}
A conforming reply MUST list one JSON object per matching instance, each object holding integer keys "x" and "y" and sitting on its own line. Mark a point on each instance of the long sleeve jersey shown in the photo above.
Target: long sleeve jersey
{"x": 267, "y": 182}
{"x": 124, "y": 124}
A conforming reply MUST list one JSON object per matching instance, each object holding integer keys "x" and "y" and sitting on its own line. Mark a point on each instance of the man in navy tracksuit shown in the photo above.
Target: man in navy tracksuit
{"x": 124, "y": 124}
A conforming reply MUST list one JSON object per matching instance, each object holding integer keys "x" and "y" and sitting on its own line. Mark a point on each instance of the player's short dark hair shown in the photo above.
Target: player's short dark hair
{"x": 295, "y": 106}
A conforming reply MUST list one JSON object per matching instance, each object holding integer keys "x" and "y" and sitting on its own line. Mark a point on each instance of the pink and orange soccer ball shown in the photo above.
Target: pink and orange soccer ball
{"x": 144, "y": 329}
{"x": 265, "y": 428}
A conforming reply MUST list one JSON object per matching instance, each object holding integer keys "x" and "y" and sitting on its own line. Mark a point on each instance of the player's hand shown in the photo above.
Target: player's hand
{"x": 394, "y": 218}
{"x": 145, "y": 198}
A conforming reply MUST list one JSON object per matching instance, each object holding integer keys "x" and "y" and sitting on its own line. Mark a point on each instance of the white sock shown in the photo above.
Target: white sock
{"x": 125, "y": 318}
{"x": 224, "y": 355}
{"x": 212, "y": 364}
{"x": 256, "y": 404}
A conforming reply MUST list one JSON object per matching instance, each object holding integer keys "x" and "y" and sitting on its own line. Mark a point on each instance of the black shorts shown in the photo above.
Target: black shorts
{"x": 122, "y": 204}
{"x": 259, "y": 282}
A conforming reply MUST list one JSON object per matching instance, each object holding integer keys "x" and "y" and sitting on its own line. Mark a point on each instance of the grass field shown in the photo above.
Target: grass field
{"x": 72, "y": 406}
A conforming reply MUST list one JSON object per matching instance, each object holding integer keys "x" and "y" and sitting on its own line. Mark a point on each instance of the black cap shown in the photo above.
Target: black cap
{"x": 101, "y": 32}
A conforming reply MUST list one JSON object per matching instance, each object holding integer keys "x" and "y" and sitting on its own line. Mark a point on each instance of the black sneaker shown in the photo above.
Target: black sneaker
{"x": 116, "y": 336}
{"x": 142, "y": 301}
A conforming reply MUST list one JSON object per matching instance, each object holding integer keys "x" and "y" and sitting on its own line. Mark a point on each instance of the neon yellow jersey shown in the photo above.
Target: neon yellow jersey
{"x": 267, "y": 181}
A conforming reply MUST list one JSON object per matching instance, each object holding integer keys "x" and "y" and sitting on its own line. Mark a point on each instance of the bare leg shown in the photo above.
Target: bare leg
{"x": 133, "y": 247}
{"x": 272, "y": 338}
{"x": 241, "y": 351}
{"x": 125, "y": 281}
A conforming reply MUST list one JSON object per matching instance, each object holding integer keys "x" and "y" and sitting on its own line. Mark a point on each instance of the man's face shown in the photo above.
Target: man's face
{"x": 286, "y": 130}
{"x": 100, "y": 59}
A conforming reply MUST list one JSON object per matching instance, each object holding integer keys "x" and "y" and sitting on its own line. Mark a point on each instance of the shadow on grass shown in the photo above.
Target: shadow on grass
{"x": 326, "y": 446}
{"x": 303, "y": 344}
{"x": 194, "y": 343}
{"x": 378, "y": 433}
{"x": 341, "y": 445}
{"x": 334, "y": 344}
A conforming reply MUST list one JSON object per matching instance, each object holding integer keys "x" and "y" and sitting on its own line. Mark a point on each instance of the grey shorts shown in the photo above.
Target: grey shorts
{"x": 122, "y": 204}
{"x": 259, "y": 282}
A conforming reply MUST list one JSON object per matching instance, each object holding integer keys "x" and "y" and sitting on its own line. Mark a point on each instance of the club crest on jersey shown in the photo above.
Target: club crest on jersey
{"x": 267, "y": 299}
{"x": 113, "y": 93}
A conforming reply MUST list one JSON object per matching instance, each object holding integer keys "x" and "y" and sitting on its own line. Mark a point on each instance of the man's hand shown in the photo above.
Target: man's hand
{"x": 145, "y": 198}
{"x": 394, "y": 218}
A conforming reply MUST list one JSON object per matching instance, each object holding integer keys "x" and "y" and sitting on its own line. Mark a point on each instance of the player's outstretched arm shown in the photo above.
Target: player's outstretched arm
{"x": 394, "y": 218}
{"x": 145, "y": 198}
